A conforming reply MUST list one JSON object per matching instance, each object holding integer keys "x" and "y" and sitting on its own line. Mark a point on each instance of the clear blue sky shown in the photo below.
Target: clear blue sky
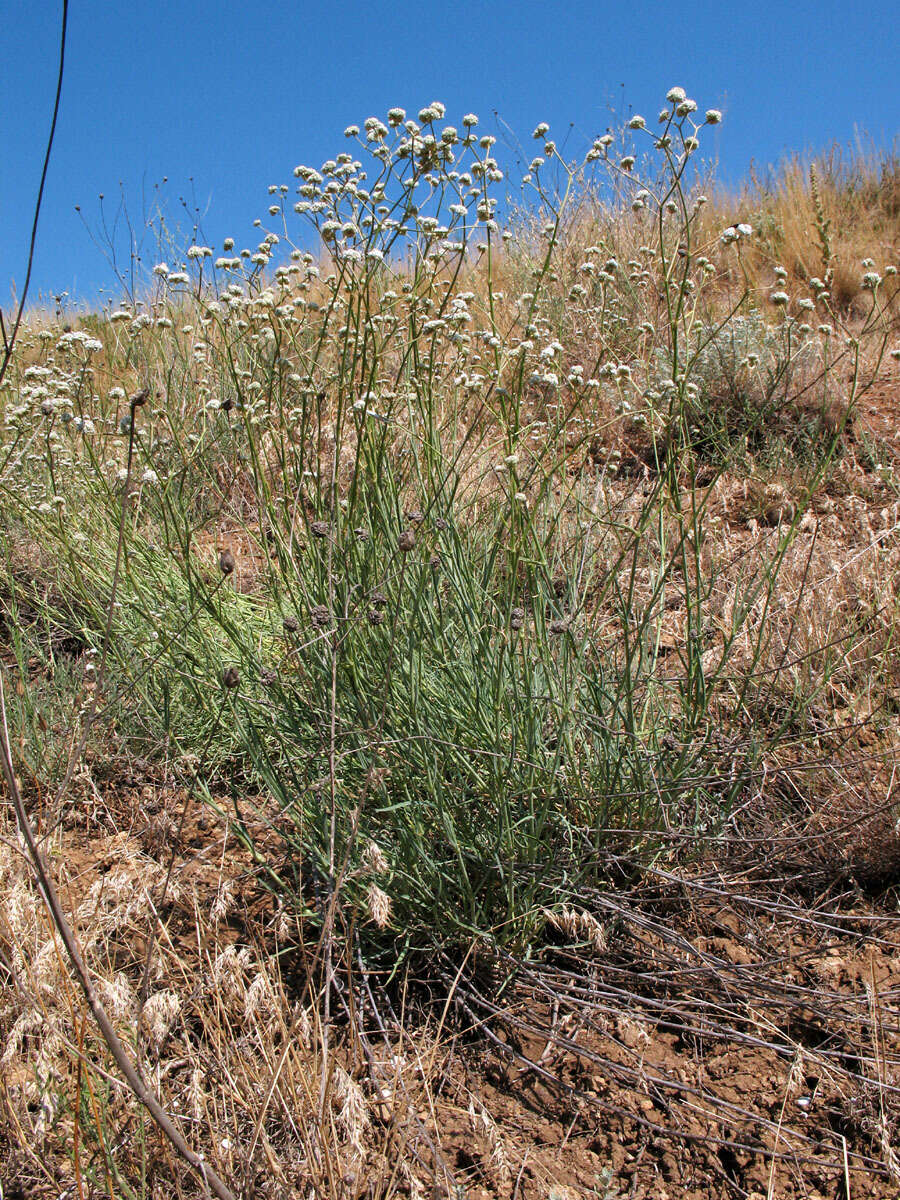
{"x": 231, "y": 96}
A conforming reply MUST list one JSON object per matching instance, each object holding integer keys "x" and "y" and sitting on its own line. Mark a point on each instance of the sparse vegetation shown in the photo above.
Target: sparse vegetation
{"x": 469, "y": 577}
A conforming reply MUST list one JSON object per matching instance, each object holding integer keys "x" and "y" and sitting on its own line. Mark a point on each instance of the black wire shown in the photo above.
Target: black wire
{"x": 11, "y": 341}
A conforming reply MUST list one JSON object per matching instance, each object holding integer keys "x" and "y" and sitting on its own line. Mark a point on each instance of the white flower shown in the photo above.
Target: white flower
{"x": 396, "y": 116}
{"x": 713, "y": 116}
{"x": 744, "y": 229}
{"x": 637, "y": 122}
{"x": 675, "y": 95}
{"x": 351, "y": 131}
{"x": 161, "y": 269}
{"x": 871, "y": 280}
{"x": 470, "y": 120}
{"x": 149, "y": 476}
{"x": 779, "y": 299}
{"x": 199, "y": 252}
{"x": 541, "y": 130}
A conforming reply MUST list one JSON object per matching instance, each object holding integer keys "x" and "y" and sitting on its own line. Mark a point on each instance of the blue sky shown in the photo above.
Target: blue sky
{"x": 225, "y": 98}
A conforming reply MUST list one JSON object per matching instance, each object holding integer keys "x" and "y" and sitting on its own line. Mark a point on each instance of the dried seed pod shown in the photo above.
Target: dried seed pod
{"x": 320, "y": 616}
{"x": 379, "y": 599}
{"x": 559, "y": 626}
{"x": 376, "y": 616}
{"x": 781, "y": 511}
{"x": 290, "y": 623}
{"x": 414, "y": 516}
{"x": 406, "y": 541}
{"x": 226, "y": 561}
{"x": 517, "y": 618}
{"x": 362, "y": 534}
{"x": 319, "y": 529}
{"x": 434, "y": 561}
{"x": 440, "y": 524}
{"x": 231, "y": 677}
{"x": 268, "y": 676}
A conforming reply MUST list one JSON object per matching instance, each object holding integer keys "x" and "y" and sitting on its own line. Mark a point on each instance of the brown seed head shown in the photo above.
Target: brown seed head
{"x": 319, "y": 529}
{"x": 406, "y": 541}
{"x": 290, "y": 623}
{"x": 320, "y": 617}
{"x": 231, "y": 677}
{"x": 226, "y": 561}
